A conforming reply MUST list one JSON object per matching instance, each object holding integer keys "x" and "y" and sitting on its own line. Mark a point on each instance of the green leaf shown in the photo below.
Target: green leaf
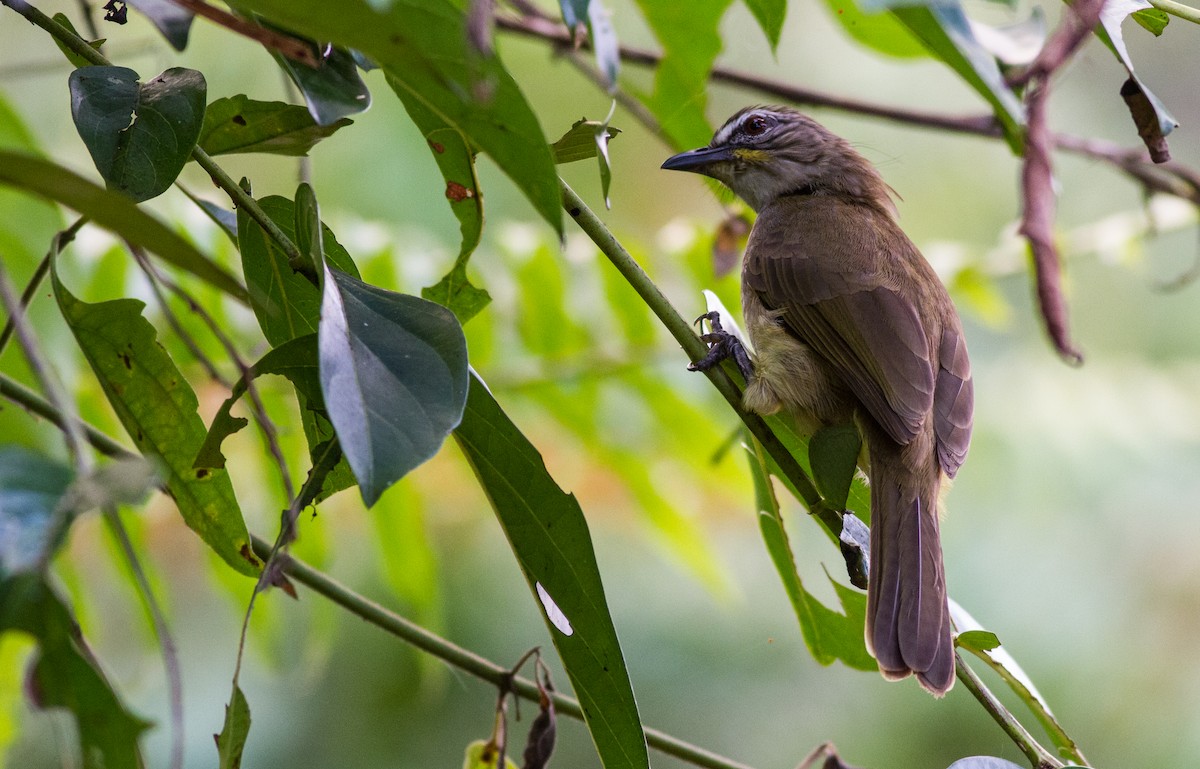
{"x": 1153, "y": 121}
{"x": 1152, "y": 20}
{"x": 394, "y": 377}
{"x": 75, "y": 59}
{"x": 881, "y": 32}
{"x": 332, "y": 91}
{"x": 582, "y": 141}
{"x": 139, "y": 135}
{"x": 979, "y": 640}
{"x": 308, "y": 227}
{"x": 236, "y": 728}
{"x": 833, "y": 455}
{"x": 295, "y": 359}
{"x": 828, "y": 635}
{"x": 63, "y": 674}
{"x": 691, "y": 40}
{"x": 157, "y": 407}
{"x": 241, "y": 124}
{"x": 31, "y": 486}
{"x": 421, "y": 44}
{"x": 173, "y": 22}
{"x": 944, "y": 29}
{"x": 574, "y": 12}
{"x": 770, "y": 15}
{"x": 456, "y": 160}
{"x": 482, "y": 754}
{"x": 114, "y": 212}
{"x": 549, "y": 536}
{"x": 286, "y": 303}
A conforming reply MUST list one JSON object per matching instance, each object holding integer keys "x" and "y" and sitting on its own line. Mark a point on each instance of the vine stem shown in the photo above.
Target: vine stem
{"x": 696, "y": 349}
{"x": 1185, "y": 12}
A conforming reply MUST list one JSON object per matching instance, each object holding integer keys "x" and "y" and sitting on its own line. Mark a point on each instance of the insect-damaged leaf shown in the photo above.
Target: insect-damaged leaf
{"x": 139, "y": 135}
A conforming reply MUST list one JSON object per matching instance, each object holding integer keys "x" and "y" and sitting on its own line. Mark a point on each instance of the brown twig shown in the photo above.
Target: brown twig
{"x": 294, "y": 49}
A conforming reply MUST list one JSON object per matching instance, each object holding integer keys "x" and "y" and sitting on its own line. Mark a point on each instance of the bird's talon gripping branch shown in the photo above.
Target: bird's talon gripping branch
{"x": 722, "y": 345}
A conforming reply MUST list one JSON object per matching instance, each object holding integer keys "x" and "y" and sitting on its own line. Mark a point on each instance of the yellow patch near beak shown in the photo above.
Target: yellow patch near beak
{"x": 751, "y": 156}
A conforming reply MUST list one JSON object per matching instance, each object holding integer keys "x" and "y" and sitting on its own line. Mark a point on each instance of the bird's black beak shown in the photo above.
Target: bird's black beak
{"x": 697, "y": 160}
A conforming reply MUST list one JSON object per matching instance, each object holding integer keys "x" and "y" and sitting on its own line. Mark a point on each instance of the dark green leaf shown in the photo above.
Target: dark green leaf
{"x": 979, "y": 640}
{"x": 286, "y": 303}
{"x": 158, "y": 409}
{"x": 332, "y": 91}
{"x": 115, "y": 212}
{"x": 223, "y": 217}
{"x": 31, "y": 487}
{"x": 833, "y": 456}
{"x": 139, "y": 135}
{"x": 241, "y": 124}
{"x": 173, "y": 22}
{"x": 295, "y": 359}
{"x": 64, "y": 675}
{"x": 946, "y": 31}
{"x": 878, "y": 31}
{"x": 1152, "y": 19}
{"x": 770, "y": 15}
{"x": 232, "y": 739}
{"x": 73, "y": 57}
{"x": 421, "y": 44}
{"x": 550, "y": 539}
{"x": 828, "y": 635}
{"x": 394, "y": 377}
{"x": 691, "y": 40}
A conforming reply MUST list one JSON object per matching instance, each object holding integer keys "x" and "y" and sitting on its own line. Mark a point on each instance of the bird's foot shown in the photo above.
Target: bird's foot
{"x": 722, "y": 345}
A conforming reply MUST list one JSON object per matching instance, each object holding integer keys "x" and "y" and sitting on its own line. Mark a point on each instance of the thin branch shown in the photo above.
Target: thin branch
{"x": 39, "y": 274}
{"x": 162, "y": 632}
{"x": 1170, "y": 178}
{"x": 297, "y": 50}
{"x": 470, "y": 662}
{"x": 695, "y": 349}
{"x": 1039, "y": 757}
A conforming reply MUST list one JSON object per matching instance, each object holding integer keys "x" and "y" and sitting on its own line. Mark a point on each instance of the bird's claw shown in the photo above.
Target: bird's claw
{"x": 722, "y": 345}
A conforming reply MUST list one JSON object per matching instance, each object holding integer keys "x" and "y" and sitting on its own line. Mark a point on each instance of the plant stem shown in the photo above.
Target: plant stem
{"x": 470, "y": 662}
{"x": 1039, "y": 757}
{"x": 1185, "y": 12}
{"x": 696, "y": 349}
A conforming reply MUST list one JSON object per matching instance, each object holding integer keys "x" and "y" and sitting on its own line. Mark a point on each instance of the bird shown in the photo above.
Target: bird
{"x": 850, "y": 324}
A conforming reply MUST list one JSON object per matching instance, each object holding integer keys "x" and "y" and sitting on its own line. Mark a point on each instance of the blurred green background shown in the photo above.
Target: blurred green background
{"x": 1073, "y": 529}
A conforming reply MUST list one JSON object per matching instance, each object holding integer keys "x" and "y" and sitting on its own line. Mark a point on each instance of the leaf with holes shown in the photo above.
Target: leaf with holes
{"x": 139, "y": 135}
{"x": 158, "y": 409}
{"x": 241, "y": 124}
{"x": 394, "y": 377}
{"x": 550, "y": 538}
{"x": 420, "y": 43}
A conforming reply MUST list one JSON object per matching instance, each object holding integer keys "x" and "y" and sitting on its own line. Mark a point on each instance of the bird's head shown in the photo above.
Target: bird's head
{"x": 762, "y": 153}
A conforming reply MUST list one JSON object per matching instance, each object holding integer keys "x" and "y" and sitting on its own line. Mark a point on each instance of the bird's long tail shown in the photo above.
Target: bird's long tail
{"x": 908, "y": 620}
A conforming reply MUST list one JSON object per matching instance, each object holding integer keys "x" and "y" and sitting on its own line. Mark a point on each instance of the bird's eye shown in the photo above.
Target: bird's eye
{"x": 755, "y": 125}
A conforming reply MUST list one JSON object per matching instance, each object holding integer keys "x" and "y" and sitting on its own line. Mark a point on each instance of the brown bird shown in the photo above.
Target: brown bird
{"x": 849, "y": 323}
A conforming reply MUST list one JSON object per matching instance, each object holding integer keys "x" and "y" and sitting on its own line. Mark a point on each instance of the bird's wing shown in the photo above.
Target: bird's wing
{"x": 834, "y": 298}
{"x": 953, "y": 401}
